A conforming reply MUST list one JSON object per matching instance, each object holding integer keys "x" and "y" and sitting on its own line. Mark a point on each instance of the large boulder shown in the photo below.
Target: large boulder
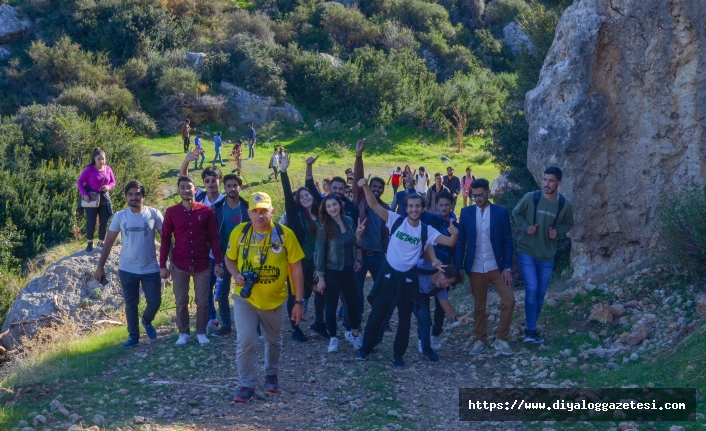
{"x": 66, "y": 290}
{"x": 517, "y": 40}
{"x": 620, "y": 108}
{"x": 12, "y": 24}
{"x": 249, "y": 107}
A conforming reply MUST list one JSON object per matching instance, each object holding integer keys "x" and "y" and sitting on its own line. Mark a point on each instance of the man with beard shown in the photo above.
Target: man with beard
{"x": 398, "y": 280}
{"x": 138, "y": 265}
{"x": 230, "y": 212}
{"x": 543, "y": 217}
{"x": 195, "y": 234}
{"x": 338, "y": 187}
{"x": 371, "y": 255}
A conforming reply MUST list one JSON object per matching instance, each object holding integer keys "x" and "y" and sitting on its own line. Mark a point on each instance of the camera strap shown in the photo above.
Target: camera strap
{"x": 265, "y": 244}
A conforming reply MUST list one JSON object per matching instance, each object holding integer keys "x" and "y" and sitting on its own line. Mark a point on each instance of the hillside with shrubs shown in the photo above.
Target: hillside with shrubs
{"x": 97, "y": 73}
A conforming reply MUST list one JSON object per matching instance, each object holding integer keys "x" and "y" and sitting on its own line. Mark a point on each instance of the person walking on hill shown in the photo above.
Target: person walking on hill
{"x": 543, "y": 217}
{"x": 237, "y": 154}
{"x": 94, "y": 183}
{"x": 261, "y": 255}
{"x": 186, "y": 129}
{"x": 398, "y": 280}
{"x": 138, "y": 267}
{"x": 396, "y": 179}
{"x": 199, "y": 150}
{"x": 435, "y": 190}
{"x": 252, "y": 137}
{"x": 302, "y": 217}
{"x": 485, "y": 242}
{"x": 422, "y": 182}
{"x": 453, "y": 184}
{"x": 195, "y": 232}
{"x": 336, "y": 265}
{"x": 466, "y": 181}
{"x": 217, "y": 144}
{"x": 274, "y": 165}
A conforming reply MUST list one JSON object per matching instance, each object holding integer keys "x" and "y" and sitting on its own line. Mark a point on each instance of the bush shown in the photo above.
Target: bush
{"x": 682, "y": 229}
{"x": 347, "y": 26}
{"x": 141, "y": 123}
{"x": 135, "y": 71}
{"x": 500, "y": 13}
{"x": 337, "y": 148}
{"x": 179, "y": 80}
{"x": 101, "y": 101}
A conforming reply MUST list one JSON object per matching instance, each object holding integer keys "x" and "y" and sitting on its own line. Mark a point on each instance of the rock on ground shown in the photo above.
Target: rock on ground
{"x": 66, "y": 289}
{"x": 250, "y": 107}
{"x": 619, "y": 107}
{"x": 13, "y": 25}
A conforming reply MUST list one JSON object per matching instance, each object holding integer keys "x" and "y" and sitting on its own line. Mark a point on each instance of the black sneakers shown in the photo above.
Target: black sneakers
{"x": 320, "y": 328}
{"x": 271, "y": 383}
{"x": 397, "y": 362}
{"x": 298, "y": 335}
{"x": 533, "y": 337}
{"x": 244, "y": 394}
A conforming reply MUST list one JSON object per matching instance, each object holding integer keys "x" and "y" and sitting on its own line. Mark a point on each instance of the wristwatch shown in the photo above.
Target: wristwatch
{"x": 299, "y": 302}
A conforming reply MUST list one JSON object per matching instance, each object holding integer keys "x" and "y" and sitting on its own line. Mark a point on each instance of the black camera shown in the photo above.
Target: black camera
{"x": 251, "y": 278}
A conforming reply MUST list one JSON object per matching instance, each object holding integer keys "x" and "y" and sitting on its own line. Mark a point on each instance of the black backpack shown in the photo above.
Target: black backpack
{"x": 537, "y": 196}
{"x": 200, "y": 196}
{"x": 396, "y": 225}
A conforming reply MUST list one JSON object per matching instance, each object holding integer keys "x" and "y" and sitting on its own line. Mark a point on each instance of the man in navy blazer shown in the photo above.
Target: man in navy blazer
{"x": 485, "y": 240}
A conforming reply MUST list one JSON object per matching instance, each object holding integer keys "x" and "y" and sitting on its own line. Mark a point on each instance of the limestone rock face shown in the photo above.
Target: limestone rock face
{"x": 195, "y": 59}
{"x": 619, "y": 107}
{"x": 12, "y": 24}
{"x": 67, "y": 289}
{"x": 517, "y": 39}
{"x": 250, "y": 107}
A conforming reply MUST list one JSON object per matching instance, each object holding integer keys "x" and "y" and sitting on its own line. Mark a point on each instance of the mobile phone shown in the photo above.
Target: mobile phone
{"x": 104, "y": 280}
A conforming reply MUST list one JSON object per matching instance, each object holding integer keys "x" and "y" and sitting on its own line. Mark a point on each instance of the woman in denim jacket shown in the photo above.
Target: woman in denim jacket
{"x": 336, "y": 265}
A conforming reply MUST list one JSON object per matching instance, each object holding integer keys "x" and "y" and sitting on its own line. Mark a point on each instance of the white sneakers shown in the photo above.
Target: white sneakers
{"x": 184, "y": 338}
{"x": 333, "y": 345}
{"x": 212, "y": 326}
{"x": 435, "y": 343}
{"x": 357, "y": 342}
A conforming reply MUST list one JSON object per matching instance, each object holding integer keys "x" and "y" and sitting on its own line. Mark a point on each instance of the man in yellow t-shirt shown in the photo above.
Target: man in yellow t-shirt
{"x": 266, "y": 255}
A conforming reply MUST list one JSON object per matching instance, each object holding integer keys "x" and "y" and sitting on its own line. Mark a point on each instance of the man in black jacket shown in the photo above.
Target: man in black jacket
{"x": 230, "y": 212}
{"x": 338, "y": 187}
{"x": 453, "y": 184}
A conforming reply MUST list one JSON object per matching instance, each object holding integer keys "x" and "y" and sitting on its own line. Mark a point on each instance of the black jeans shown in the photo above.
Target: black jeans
{"x": 187, "y": 144}
{"x": 308, "y": 270}
{"x": 372, "y": 261}
{"x": 380, "y": 311}
{"x": 341, "y": 283}
{"x": 151, "y": 286}
{"x": 103, "y": 214}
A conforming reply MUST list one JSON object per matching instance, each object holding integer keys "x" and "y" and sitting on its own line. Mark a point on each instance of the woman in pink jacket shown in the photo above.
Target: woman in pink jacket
{"x": 97, "y": 178}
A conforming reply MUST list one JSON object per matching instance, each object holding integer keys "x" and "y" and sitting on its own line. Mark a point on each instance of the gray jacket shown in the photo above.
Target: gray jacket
{"x": 330, "y": 254}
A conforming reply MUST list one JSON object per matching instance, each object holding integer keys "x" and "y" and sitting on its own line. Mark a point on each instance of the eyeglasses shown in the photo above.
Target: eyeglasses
{"x": 480, "y": 196}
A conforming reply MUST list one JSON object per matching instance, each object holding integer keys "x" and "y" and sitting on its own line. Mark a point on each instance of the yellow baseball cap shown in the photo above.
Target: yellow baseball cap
{"x": 259, "y": 200}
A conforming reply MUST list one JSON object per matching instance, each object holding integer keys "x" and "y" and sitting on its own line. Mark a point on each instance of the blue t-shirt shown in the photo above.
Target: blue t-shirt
{"x": 425, "y": 284}
{"x": 197, "y": 141}
{"x": 217, "y": 142}
{"x": 252, "y": 134}
{"x": 231, "y": 217}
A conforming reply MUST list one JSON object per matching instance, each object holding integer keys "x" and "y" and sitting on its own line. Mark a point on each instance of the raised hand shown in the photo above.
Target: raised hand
{"x": 453, "y": 230}
{"x": 359, "y": 147}
{"x": 361, "y": 227}
{"x": 284, "y": 163}
{"x": 311, "y": 160}
{"x": 437, "y": 264}
{"x": 363, "y": 181}
{"x": 192, "y": 155}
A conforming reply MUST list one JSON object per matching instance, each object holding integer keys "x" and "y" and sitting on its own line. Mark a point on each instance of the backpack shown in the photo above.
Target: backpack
{"x": 537, "y": 196}
{"x": 396, "y": 225}
{"x": 278, "y": 229}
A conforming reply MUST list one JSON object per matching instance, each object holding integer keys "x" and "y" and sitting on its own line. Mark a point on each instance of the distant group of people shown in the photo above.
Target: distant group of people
{"x": 236, "y": 153}
{"x": 324, "y": 246}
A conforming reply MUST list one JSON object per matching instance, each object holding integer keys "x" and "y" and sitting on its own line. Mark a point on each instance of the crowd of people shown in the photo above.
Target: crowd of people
{"x": 324, "y": 246}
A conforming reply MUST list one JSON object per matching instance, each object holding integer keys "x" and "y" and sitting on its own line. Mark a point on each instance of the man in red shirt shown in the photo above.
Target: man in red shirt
{"x": 195, "y": 232}
{"x": 395, "y": 177}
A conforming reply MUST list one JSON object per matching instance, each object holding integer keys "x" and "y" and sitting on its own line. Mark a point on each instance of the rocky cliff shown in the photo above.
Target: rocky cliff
{"x": 620, "y": 108}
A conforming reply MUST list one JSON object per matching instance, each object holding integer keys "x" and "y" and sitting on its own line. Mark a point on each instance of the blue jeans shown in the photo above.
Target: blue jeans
{"x": 152, "y": 288}
{"x": 223, "y": 299}
{"x": 217, "y": 156}
{"x": 536, "y": 274}
{"x": 196, "y": 162}
{"x": 423, "y": 314}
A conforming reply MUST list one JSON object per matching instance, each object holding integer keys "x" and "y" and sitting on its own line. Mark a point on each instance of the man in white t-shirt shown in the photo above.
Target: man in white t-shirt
{"x": 422, "y": 181}
{"x": 138, "y": 265}
{"x": 398, "y": 282}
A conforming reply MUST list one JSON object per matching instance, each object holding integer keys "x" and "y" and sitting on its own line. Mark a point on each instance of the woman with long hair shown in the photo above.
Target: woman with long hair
{"x": 95, "y": 182}
{"x": 302, "y": 217}
{"x": 336, "y": 264}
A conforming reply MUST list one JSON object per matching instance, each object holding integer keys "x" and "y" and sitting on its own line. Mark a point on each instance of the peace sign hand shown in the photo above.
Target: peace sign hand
{"x": 284, "y": 163}
{"x": 361, "y": 227}
{"x": 363, "y": 181}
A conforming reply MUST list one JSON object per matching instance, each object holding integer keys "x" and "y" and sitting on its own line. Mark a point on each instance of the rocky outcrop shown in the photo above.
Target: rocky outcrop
{"x": 195, "y": 59}
{"x": 66, "y": 290}
{"x": 620, "y": 108}
{"x": 12, "y": 24}
{"x": 517, "y": 40}
{"x": 250, "y": 107}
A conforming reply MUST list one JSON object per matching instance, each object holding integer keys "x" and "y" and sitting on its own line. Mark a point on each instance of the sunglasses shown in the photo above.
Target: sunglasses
{"x": 210, "y": 181}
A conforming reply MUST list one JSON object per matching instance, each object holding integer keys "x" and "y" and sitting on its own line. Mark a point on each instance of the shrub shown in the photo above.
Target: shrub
{"x": 256, "y": 25}
{"x": 101, "y": 101}
{"x": 500, "y": 13}
{"x": 398, "y": 37}
{"x": 347, "y": 26}
{"x": 682, "y": 229}
{"x": 135, "y": 71}
{"x": 337, "y": 148}
{"x": 141, "y": 123}
{"x": 179, "y": 80}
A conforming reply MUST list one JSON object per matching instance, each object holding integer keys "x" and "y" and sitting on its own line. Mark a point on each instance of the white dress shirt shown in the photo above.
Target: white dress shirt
{"x": 484, "y": 259}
